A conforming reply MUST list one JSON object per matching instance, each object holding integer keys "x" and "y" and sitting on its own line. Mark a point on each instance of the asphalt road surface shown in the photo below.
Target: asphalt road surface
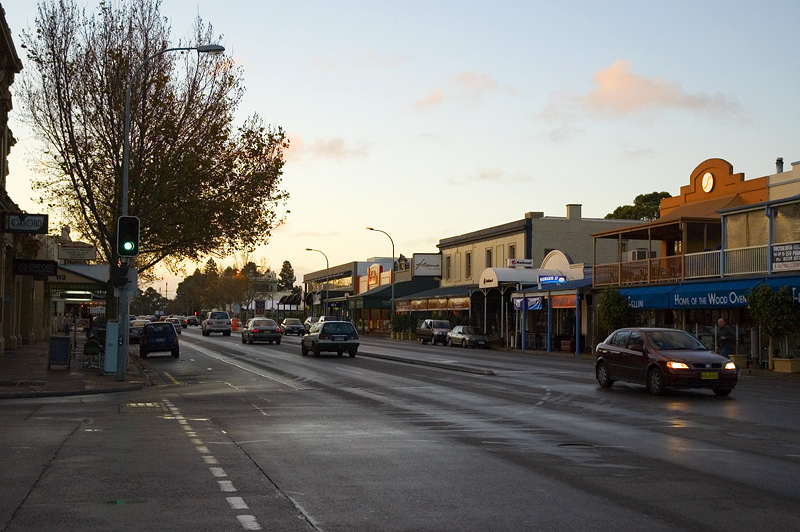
{"x": 257, "y": 437}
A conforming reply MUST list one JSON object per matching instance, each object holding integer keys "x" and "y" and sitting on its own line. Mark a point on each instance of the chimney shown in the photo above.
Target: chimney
{"x": 779, "y": 165}
{"x": 573, "y": 211}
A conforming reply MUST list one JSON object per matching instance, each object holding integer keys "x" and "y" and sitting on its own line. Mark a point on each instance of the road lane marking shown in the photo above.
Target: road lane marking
{"x": 226, "y": 486}
{"x": 237, "y": 503}
{"x": 225, "y": 360}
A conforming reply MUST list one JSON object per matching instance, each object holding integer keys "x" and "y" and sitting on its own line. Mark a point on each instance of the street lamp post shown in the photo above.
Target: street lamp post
{"x": 122, "y": 301}
{"x": 327, "y": 267}
{"x": 391, "y": 318}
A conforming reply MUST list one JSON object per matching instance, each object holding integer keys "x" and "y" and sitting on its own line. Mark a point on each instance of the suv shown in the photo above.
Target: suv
{"x": 217, "y": 321}
{"x": 330, "y": 336}
{"x": 159, "y": 336}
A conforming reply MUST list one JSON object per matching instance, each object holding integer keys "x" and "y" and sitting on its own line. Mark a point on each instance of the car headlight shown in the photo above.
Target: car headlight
{"x": 730, "y": 365}
{"x": 677, "y": 365}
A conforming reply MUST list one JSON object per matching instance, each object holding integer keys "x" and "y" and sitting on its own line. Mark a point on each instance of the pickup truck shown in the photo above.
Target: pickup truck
{"x": 433, "y": 331}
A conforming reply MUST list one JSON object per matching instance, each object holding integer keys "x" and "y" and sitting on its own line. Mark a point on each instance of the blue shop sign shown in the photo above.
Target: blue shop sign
{"x": 548, "y": 279}
{"x": 532, "y": 303}
{"x": 712, "y": 295}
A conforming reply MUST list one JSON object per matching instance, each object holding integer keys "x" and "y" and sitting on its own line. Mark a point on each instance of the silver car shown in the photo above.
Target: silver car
{"x": 330, "y": 336}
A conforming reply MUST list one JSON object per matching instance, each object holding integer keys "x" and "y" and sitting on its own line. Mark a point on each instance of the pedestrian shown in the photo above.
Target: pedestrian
{"x": 725, "y": 338}
{"x": 66, "y": 322}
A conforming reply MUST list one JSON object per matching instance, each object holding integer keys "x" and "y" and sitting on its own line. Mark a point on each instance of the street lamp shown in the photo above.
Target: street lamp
{"x": 327, "y": 267}
{"x": 391, "y": 318}
{"x": 124, "y": 330}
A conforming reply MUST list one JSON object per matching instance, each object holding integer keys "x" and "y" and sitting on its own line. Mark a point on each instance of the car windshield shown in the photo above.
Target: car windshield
{"x": 264, "y": 323}
{"x": 674, "y": 340}
{"x": 292, "y": 321}
{"x": 159, "y": 327}
{"x": 219, "y": 315}
{"x": 338, "y": 328}
{"x": 440, "y": 325}
{"x": 470, "y": 330}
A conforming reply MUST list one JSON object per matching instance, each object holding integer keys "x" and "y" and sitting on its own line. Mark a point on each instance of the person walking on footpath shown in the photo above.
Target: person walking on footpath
{"x": 66, "y": 324}
{"x": 725, "y": 338}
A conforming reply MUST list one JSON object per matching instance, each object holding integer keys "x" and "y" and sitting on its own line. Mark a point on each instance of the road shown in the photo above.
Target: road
{"x": 257, "y": 437}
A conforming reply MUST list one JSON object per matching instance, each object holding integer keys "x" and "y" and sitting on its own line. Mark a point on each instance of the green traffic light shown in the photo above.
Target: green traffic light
{"x": 128, "y": 246}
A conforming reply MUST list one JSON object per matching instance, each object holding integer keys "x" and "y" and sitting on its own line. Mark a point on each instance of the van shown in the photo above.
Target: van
{"x": 217, "y": 321}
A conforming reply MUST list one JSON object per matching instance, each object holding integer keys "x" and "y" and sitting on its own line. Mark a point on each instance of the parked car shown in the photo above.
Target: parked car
{"x": 261, "y": 330}
{"x": 217, "y": 321}
{"x": 311, "y": 320}
{"x": 176, "y": 322}
{"x": 192, "y": 321}
{"x": 433, "y": 331}
{"x": 330, "y": 336}
{"x": 135, "y": 330}
{"x": 662, "y": 358}
{"x": 467, "y": 336}
{"x": 159, "y": 336}
{"x": 293, "y": 326}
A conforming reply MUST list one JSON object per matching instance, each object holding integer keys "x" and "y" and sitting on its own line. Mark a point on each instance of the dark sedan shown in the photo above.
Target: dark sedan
{"x": 660, "y": 359}
{"x": 293, "y": 326}
{"x": 466, "y": 336}
{"x": 159, "y": 336}
{"x": 261, "y": 330}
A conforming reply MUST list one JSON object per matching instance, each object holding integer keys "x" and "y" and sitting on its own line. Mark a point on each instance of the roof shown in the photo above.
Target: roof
{"x": 442, "y": 292}
{"x": 494, "y": 277}
{"x": 569, "y": 286}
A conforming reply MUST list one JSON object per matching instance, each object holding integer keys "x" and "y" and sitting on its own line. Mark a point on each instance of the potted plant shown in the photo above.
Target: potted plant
{"x": 778, "y": 315}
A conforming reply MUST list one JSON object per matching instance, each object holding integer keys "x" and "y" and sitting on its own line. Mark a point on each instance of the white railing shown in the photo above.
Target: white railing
{"x": 746, "y": 260}
{"x": 705, "y": 264}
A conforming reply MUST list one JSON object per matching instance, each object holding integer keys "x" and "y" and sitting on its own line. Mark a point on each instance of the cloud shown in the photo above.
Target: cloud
{"x": 466, "y": 85}
{"x": 619, "y": 92}
{"x": 435, "y": 97}
{"x": 473, "y": 84}
{"x": 493, "y": 175}
{"x": 336, "y": 149}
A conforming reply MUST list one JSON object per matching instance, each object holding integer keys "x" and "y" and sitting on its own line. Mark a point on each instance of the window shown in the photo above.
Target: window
{"x": 489, "y": 258}
{"x": 747, "y": 229}
{"x": 512, "y": 251}
{"x": 787, "y": 223}
{"x": 447, "y": 263}
{"x": 468, "y": 264}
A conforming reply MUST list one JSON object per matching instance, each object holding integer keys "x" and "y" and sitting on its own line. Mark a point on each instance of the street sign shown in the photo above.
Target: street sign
{"x": 20, "y": 222}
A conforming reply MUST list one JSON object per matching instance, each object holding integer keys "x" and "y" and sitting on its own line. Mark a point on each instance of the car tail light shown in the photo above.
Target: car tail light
{"x": 323, "y": 336}
{"x": 354, "y": 336}
{"x": 278, "y": 330}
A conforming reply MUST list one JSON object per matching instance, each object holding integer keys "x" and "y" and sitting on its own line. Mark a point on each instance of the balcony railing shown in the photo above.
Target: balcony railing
{"x": 739, "y": 261}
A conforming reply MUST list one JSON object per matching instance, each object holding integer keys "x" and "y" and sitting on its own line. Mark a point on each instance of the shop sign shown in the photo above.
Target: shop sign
{"x": 39, "y": 269}
{"x": 20, "y": 222}
{"x": 427, "y": 265}
{"x": 786, "y": 256}
{"x": 77, "y": 251}
{"x": 552, "y": 279}
{"x": 373, "y": 276}
{"x": 563, "y": 301}
{"x": 533, "y": 303}
{"x": 524, "y": 263}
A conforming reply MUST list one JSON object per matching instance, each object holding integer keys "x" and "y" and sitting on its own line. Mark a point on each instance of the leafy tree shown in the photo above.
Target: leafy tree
{"x": 148, "y": 302}
{"x": 614, "y": 312}
{"x": 286, "y": 277}
{"x": 776, "y": 313}
{"x": 189, "y": 166}
{"x": 645, "y": 207}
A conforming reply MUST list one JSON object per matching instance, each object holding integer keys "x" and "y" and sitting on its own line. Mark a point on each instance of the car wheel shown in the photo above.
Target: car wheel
{"x": 722, "y": 392}
{"x": 227, "y": 333}
{"x": 176, "y": 353}
{"x": 250, "y": 340}
{"x": 339, "y": 353}
{"x": 316, "y": 351}
{"x": 143, "y": 354}
{"x": 277, "y": 342}
{"x": 244, "y": 340}
{"x": 655, "y": 381}
{"x": 421, "y": 340}
{"x": 603, "y": 376}
{"x": 303, "y": 350}
{"x": 463, "y": 344}
{"x": 352, "y": 353}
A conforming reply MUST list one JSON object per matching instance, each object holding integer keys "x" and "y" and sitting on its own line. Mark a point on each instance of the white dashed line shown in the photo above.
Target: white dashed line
{"x": 226, "y": 486}
{"x": 237, "y": 503}
{"x": 218, "y": 472}
{"x": 248, "y": 522}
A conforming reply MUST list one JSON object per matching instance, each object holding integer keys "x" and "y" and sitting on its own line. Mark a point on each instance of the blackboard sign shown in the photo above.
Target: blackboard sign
{"x": 59, "y": 351}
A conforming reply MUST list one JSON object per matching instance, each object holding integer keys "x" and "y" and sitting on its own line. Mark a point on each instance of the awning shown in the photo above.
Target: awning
{"x": 656, "y": 297}
{"x": 712, "y": 295}
{"x": 792, "y": 283}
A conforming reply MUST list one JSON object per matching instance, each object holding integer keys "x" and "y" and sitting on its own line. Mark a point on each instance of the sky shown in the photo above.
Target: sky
{"x": 431, "y": 119}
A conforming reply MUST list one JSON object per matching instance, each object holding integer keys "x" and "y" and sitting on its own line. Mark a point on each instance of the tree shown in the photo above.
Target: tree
{"x": 189, "y": 166}
{"x": 614, "y": 312}
{"x": 645, "y": 207}
{"x": 775, "y": 312}
{"x": 286, "y": 277}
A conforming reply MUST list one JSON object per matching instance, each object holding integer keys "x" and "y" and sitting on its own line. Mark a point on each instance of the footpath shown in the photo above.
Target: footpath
{"x": 24, "y": 371}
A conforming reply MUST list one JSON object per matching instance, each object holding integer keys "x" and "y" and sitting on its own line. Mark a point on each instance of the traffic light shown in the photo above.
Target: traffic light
{"x": 127, "y": 236}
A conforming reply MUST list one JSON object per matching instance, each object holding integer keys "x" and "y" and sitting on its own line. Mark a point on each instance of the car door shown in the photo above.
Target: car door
{"x": 612, "y": 353}
{"x": 635, "y": 358}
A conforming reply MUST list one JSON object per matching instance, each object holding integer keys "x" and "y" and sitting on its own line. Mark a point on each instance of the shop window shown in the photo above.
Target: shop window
{"x": 468, "y": 264}
{"x": 787, "y": 223}
{"x": 489, "y": 258}
{"x": 447, "y": 265}
{"x": 747, "y": 229}
{"x": 512, "y": 251}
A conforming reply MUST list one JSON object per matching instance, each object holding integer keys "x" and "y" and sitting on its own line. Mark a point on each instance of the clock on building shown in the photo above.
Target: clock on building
{"x": 708, "y": 182}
